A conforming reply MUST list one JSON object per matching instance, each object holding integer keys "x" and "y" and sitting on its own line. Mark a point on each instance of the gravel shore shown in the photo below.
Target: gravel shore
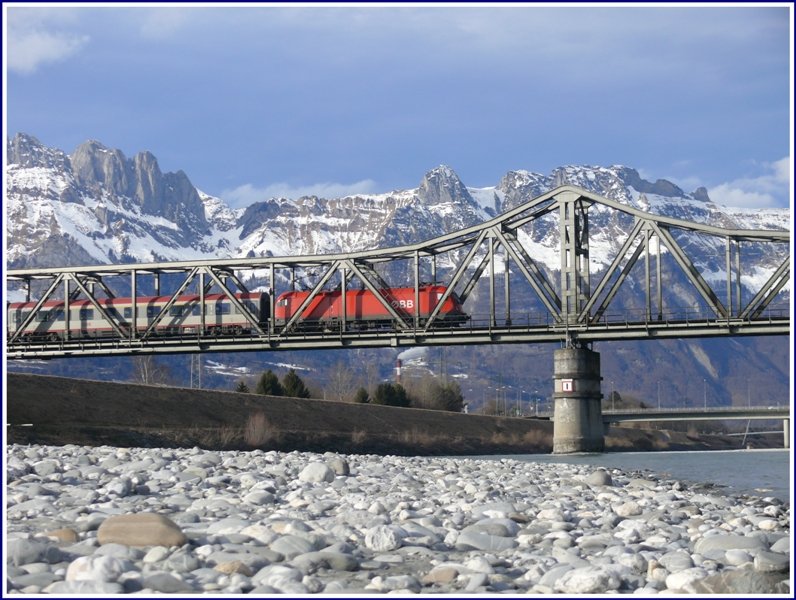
{"x": 105, "y": 520}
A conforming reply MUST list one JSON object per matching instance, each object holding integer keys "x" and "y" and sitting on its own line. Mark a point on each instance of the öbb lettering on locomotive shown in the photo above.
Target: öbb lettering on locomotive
{"x": 326, "y": 311}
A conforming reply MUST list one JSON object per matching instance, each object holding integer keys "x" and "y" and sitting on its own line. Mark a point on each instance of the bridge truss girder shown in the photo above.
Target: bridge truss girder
{"x": 577, "y": 311}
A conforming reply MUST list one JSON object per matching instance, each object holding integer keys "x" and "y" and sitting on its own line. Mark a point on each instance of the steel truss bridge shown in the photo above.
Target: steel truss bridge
{"x": 495, "y": 264}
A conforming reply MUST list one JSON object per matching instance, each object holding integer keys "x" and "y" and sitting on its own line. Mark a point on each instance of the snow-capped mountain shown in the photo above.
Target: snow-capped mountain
{"x": 98, "y": 206}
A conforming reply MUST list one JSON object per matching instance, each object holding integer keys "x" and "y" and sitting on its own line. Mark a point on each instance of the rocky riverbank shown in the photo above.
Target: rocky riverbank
{"x": 109, "y": 520}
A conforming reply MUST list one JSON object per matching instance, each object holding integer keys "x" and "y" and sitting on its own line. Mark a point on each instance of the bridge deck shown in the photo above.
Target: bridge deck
{"x": 467, "y": 335}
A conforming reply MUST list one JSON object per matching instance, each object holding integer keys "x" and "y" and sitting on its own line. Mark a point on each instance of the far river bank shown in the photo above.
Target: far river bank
{"x": 58, "y": 411}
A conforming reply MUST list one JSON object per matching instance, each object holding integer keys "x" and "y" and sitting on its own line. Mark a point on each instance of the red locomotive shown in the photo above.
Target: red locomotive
{"x": 364, "y": 311}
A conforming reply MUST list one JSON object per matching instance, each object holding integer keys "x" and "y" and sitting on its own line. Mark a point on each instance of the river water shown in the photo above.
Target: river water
{"x": 754, "y": 472}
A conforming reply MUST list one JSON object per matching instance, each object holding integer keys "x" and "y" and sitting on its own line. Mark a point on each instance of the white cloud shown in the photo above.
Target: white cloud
{"x": 247, "y": 194}
{"x": 33, "y": 40}
{"x": 770, "y": 189}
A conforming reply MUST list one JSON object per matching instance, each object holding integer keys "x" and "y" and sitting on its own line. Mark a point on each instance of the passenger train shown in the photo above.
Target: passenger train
{"x": 184, "y": 318}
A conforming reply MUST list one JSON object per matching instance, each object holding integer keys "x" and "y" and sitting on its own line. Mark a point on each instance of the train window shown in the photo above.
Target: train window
{"x": 43, "y": 316}
{"x": 57, "y": 314}
{"x": 251, "y": 307}
{"x": 152, "y": 312}
{"x": 128, "y": 312}
{"x": 222, "y": 308}
{"x": 86, "y": 314}
{"x": 282, "y": 302}
{"x": 175, "y": 311}
{"x": 195, "y": 310}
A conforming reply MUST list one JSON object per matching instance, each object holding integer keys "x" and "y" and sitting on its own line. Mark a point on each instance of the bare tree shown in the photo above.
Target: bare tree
{"x": 366, "y": 369}
{"x": 148, "y": 370}
{"x": 340, "y": 384}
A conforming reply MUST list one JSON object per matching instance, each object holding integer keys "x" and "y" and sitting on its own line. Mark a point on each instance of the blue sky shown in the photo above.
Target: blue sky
{"x": 255, "y": 101}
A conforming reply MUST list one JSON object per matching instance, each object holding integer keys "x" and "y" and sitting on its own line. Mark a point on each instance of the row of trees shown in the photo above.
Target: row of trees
{"x": 291, "y": 386}
{"x": 429, "y": 393}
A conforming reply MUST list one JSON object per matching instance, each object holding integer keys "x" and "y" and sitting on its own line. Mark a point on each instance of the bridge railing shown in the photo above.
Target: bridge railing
{"x": 629, "y": 317}
{"x": 694, "y": 409}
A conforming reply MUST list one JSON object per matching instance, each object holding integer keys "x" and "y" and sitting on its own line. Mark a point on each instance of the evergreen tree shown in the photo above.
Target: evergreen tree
{"x": 242, "y": 388}
{"x": 293, "y": 386}
{"x": 401, "y": 398}
{"x": 269, "y": 385}
{"x": 361, "y": 397}
{"x": 391, "y": 394}
{"x": 450, "y": 397}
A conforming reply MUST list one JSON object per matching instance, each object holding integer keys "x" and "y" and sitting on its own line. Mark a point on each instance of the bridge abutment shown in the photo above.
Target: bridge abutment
{"x": 577, "y": 416}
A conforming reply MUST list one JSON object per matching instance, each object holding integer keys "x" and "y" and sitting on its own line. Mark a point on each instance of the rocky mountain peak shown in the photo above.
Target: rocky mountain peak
{"x": 26, "y": 151}
{"x": 701, "y": 194}
{"x": 139, "y": 181}
{"x": 442, "y": 185}
{"x": 260, "y": 213}
{"x": 101, "y": 169}
{"x": 661, "y": 187}
{"x": 519, "y": 186}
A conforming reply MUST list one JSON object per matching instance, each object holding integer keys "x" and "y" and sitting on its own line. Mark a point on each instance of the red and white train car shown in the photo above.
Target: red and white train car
{"x": 184, "y": 317}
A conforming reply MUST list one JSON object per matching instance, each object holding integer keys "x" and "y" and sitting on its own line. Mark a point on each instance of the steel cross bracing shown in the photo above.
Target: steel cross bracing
{"x": 526, "y": 306}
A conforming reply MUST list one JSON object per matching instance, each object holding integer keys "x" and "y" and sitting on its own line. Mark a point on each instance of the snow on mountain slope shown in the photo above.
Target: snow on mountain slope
{"x": 97, "y": 206}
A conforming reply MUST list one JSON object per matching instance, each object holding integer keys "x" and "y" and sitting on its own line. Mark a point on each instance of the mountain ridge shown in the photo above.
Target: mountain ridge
{"x": 127, "y": 210}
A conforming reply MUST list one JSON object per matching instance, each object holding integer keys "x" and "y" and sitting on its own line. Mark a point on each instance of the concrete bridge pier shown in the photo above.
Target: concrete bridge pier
{"x": 577, "y": 415}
